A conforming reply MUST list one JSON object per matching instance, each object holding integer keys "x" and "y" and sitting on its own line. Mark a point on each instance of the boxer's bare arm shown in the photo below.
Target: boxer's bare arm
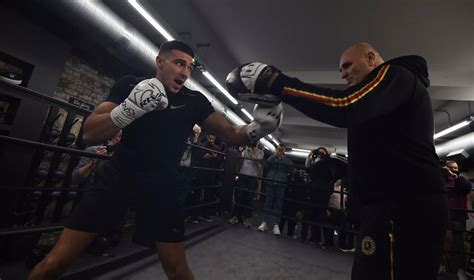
{"x": 99, "y": 127}
{"x": 233, "y": 135}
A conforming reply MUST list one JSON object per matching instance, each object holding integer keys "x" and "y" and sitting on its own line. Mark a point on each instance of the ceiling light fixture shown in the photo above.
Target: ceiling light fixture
{"x": 221, "y": 88}
{"x": 151, "y": 19}
{"x": 452, "y": 128}
{"x": 267, "y": 144}
{"x": 297, "y": 153}
{"x": 235, "y": 118}
{"x": 301, "y": 150}
{"x": 276, "y": 142}
{"x": 247, "y": 114}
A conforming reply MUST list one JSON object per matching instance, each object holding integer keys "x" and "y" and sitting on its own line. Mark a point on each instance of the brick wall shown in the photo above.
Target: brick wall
{"x": 81, "y": 81}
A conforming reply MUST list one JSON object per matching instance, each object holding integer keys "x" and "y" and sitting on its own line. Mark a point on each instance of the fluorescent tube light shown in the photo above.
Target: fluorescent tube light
{"x": 452, "y": 128}
{"x": 221, "y": 88}
{"x": 275, "y": 141}
{"x": 247, "y": 114}
{"x": 296, "y": 153}
{"x": 300, "y": 150}
{"x": 151, "y": 19}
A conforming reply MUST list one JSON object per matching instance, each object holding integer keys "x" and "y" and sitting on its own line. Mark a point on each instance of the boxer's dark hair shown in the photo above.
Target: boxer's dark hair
{"x": 168, "y": 46}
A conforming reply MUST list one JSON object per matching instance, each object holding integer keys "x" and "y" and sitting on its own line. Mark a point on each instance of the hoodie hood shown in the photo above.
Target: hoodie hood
{"x": 415, "y": 64}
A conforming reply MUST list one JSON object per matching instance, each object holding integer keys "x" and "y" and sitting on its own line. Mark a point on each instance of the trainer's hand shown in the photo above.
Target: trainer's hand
{"x": 266, "y": 120}
{"x": 251, "y": 82}
{"x": 146, "y": 96}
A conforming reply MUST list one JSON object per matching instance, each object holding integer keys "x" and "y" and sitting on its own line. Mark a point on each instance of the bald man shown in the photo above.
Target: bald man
{"x": 393, "y": 167}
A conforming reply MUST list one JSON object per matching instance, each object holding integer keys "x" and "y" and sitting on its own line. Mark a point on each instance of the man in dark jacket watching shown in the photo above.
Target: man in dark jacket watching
{"x": 458, "y": 189}
{"x": 321, "y": 188}
{"x": 389, "y": 119}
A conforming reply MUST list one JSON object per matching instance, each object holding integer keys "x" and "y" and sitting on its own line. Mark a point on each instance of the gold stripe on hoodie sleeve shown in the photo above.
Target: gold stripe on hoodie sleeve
{"x": 340, "y": 102}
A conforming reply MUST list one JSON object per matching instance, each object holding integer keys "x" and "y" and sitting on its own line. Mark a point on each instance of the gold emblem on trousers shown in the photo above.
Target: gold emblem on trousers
{"x": 368, "y": 246}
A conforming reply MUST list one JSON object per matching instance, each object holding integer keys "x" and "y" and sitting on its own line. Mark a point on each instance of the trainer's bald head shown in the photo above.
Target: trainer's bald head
{"x": 358, "y": 61}
{"x": 363, "y": 48}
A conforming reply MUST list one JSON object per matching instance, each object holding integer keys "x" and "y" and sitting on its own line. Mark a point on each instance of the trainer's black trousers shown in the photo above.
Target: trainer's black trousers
{"x": 401, "y": 239}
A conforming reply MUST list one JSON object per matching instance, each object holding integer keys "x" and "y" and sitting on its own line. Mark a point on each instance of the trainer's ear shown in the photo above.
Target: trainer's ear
{"x": 371, "y": 58}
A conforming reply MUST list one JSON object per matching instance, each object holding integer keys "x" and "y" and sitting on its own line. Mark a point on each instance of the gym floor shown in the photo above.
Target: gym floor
{"x": 224, "y": 252}
{"x": 235, "y": 252}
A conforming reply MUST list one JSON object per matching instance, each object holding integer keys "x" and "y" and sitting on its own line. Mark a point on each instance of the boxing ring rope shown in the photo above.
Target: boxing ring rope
{"x": 309, "y": 222}
{"x": 217, "y": 201}
{"x": 298, "y": 202}
{"x": 42, "y": 229}
{"x": 312, "y": 205}
{"x": 50, "y": 147}
{"x": 17, "y": 230}
{"x": 43, "y": 189}
{"x": 206, "y": 149}
{"x": 19, "y": 218}
{"x": 205, "y": 168}
{"x": 206, "y": 187}
{"x": 54, "y": 189}
{"x": 285, "y": 183}
{"x": 303, "y": 203}
{"x": 27, "y": 230}
{"x": 262, "y": 161}
{"x": 26, "y": 92}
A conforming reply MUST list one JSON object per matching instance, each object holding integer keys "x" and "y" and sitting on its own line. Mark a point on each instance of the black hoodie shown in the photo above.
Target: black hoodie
{"x": 389, "y": 120}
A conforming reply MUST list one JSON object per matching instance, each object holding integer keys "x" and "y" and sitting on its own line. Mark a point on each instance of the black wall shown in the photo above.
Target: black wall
{"x": 32, "y": 43}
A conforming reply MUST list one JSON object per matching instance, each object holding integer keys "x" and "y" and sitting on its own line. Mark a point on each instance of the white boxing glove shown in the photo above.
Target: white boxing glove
{"x": 266, "y": 120}
{"x": 146, "y": 96}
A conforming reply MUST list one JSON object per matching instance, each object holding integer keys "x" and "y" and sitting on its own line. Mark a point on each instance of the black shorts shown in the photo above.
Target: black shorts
{"x": 104, "y": 205}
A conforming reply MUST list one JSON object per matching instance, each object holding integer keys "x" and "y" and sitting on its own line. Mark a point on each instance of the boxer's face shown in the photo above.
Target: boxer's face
{"x": 354, "y": 66}
{"x": 174, "y": 68}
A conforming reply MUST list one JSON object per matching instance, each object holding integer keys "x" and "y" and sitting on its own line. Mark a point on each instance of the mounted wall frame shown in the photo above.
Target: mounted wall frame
{"x": 13, "y": 69}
